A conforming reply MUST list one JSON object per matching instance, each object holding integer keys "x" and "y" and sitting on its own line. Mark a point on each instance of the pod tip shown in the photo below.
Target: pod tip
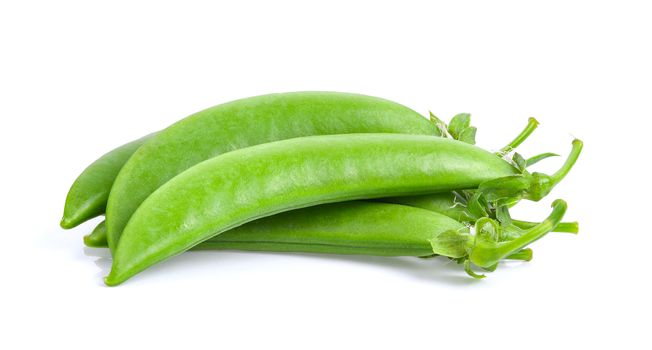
{"x": 66, "y": 223}
{"x": 92, "y": 243}
{"x": 111, "y": 281}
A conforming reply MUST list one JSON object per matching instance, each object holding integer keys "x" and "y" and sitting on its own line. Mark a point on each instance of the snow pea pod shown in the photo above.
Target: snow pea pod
{"x": 87, "y": 196}
{"x": 439, "y": 203}
{"x": 241, "y": 186}
{"x": 355, "y": 227}
{"x": 97, "y": 238}
{"x": 244, "y": 123}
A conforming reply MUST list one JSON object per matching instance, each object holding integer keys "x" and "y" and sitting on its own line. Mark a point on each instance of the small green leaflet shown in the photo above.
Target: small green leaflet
{"x": 450, "y": 243}
{"x": 540, "y": 157}
{"x": 458, "y": 124}
{"x": 520, "y": 162}
{"x": 468, "y": 135}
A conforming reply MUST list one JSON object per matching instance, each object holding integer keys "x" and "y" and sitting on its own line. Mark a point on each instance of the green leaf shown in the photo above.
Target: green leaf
{"x": 440, "y": 126}
{"x": 503, "y": 216}
{"x": 450, "y": 243}
{"x": 540, "y": 157}
{"x": 476, "y": 205}
{"x": 468, "y": 135}
{"x": 458, "y": 124}
{"x": 521, "y": 163}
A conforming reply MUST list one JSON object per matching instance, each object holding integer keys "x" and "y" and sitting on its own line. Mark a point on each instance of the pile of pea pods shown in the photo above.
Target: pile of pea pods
{"x": 318, "y": 172}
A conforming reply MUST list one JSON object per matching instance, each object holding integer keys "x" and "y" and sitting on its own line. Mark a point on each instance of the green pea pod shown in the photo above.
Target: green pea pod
{"x": 440, "y": 203}
{"x": 97, "y": 238}
{"x": 244, "y": 123}
{"x": 87, "y": 196}
{"x": 382, "y": 229}
{"x": 241, "y": 186}
{"x": 450, "y": 204}
{"x": 356, "y": 227}
{"x": 341, "y": 228}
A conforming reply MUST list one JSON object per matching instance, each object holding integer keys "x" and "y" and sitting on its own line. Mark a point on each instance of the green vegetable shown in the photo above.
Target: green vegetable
{"x": 245, "y": 123}
{"x": 441, "y": 203}
{"x": 179, "y": 215}
{"x": 88, "y": 195}
{"x": 369, "y": 228}
{"x": 355, "y": 227}
{"x": 445, "y": 203}
{"x": 346, "y": 228}
{"x": 342, "y": 228}
{"x": 243, "y": 185}
{"x": 97, "y": 238}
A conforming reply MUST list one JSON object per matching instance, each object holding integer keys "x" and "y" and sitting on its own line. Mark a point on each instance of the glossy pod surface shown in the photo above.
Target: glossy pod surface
{"x": 244, "y": 123}
{"x": 97, "y": 238}
{"x": 88, "y": 195}
{"x": 443, "y": 203}
{"x": 247, "y": 184}
{"x": 341, "y": 228}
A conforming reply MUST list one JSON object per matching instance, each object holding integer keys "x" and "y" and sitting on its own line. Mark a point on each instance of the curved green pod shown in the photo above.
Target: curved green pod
{"x": 355, "y": 227}
{"x": 97, "y": 238}
{"x": 241, "y": 186}
{"x": 439, "y": 203}
{"x": 244, "y": 123}
{"x": 88, "y": 195}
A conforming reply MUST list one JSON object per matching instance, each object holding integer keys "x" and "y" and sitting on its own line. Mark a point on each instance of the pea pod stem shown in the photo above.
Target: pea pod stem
{"x": 569, "y": 163}
{"x": 510, "y": 189}
{"x": 566, "y": 227}
{"x": 520, "y": 138}
{"x": 487, "y": 252}
{"x": 541, "y": 184}
{"x": 523, "y": 255}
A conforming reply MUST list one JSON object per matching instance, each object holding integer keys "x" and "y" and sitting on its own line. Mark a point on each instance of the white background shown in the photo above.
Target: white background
{"x": 79, "y": 78}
